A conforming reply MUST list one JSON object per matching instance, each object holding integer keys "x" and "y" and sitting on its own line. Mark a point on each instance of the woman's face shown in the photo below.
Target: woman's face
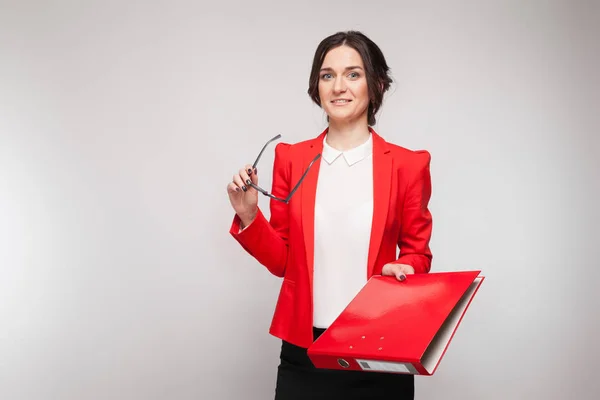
{"x": 343, "y": 86}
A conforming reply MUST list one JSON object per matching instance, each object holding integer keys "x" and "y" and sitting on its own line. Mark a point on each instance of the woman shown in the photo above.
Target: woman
{"x": 354, "y": 205}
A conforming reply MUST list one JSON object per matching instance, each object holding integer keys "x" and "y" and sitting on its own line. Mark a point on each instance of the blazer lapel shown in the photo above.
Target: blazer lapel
{"x": 309, "y": 191}
{"x": 382, "y": 174}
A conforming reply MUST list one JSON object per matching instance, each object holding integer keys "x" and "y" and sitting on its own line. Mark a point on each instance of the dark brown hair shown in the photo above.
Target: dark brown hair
{"x": 376, "y": 68}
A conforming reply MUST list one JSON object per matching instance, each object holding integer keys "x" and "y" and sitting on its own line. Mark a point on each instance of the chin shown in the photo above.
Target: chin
{"x": 336, "y": 113}
{"x": 343, "y": 117}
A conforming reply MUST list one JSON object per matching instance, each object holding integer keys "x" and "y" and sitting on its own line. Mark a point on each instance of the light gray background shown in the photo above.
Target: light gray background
{"x": 122, "y": 122}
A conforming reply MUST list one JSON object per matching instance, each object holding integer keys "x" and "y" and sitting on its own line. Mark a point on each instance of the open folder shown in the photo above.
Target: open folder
{"x": 397, "y": 327}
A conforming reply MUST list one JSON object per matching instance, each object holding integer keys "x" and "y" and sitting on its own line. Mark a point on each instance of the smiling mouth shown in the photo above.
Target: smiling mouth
{"x": 341, "y": 101}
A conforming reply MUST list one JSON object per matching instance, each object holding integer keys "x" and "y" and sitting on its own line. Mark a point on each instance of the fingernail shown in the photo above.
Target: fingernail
{"x": 244, "y": 188}
{"x": 248, "y": 182}
{"x": 249, "y": 171}
{"x": 237, "y": 189}
{"x": 256, "y": 170}
{"x": 402, "y": 277}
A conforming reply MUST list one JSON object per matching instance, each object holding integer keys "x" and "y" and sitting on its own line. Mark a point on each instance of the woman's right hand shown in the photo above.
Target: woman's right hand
{"x": 243, "y": 197}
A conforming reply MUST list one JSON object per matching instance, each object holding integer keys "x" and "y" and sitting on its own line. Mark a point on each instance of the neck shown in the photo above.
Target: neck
{"x": 347, "y": 135}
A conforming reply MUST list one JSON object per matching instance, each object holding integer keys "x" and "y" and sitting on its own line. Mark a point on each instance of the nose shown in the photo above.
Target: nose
{"x": 339, "y": 85}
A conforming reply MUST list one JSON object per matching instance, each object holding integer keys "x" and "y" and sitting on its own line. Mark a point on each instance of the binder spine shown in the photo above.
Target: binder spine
{"x": 352, "y": 363}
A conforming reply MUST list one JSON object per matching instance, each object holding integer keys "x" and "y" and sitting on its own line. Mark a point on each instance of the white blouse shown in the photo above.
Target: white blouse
{"x": 343, "y": 216}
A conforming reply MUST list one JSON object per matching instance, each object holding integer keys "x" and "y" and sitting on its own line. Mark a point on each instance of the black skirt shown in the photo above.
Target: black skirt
{"x": 297, "y": 378}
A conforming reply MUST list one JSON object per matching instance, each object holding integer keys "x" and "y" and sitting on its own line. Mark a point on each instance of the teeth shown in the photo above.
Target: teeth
{"x": 340, "y": 101}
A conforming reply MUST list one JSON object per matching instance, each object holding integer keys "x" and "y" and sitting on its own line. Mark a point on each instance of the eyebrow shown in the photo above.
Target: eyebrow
{"x": 346, "y": 69}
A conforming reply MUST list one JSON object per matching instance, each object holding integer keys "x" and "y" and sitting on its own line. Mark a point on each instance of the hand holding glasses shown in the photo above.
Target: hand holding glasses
{"x": 245, "y": 200}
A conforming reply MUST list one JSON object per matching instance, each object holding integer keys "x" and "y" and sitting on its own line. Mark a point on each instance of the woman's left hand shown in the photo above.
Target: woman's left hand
{"x": 398, "y": 270}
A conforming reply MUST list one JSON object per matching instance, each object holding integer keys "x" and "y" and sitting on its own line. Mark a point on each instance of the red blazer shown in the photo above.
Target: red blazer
{"x": 285, "y": 243}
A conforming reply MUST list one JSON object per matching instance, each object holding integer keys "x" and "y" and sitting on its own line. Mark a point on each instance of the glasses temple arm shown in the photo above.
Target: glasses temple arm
{"x": 302, "y": 178}
{"x": 263, "y": 149}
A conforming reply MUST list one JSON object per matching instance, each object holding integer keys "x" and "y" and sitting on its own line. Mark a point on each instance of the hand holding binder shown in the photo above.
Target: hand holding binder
{"x": 398, "y": 270}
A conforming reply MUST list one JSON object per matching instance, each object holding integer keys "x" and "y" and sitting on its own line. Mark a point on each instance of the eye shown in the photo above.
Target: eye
{"x": 326, "y": 76}
{"x": 353, "y": 75}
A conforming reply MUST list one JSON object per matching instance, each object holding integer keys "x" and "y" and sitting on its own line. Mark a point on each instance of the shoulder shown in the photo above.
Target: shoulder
{"x": 413, "y": 166}
{"x": 294, "y": 150}
{"x": 287, "y": 154}
{"x": 414, "y": 159}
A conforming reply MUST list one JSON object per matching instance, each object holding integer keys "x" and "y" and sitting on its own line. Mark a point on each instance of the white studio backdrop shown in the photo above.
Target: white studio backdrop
{"x": 121, "y": 124}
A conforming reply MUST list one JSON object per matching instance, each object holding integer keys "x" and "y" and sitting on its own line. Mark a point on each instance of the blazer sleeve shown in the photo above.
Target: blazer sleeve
{"x": 416, "y": 227}
{"x": 267, "y": 241}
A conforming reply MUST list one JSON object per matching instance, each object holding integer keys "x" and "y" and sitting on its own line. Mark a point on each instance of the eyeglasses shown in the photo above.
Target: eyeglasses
{"x": 263, "y": 191}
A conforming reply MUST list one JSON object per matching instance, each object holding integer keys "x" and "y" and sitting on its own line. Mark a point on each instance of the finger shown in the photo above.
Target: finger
{"x": 233, "y": 188}
{"x": 237, "y": 179}
{"x": 394, "y": 270}
{"x": 407, "y": 269}
{"x": 250, "y": 170}
{"x": 249, "y": 179}
{"x": 399, "y": 273}
{"x": 252, "y": 173}
{"x": 245, "y": 177}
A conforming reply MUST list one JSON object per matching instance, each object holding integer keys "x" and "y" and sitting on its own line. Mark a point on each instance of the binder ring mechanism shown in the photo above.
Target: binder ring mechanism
{"x": 343, "y": 363}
